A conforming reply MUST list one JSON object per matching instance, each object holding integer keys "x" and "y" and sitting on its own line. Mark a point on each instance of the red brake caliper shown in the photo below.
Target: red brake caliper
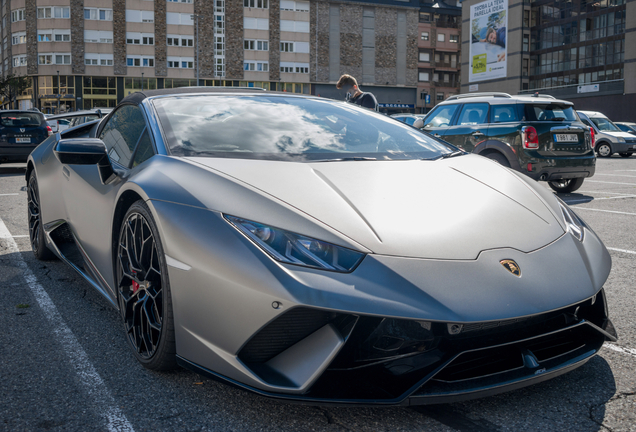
{"x": 135, "y": 285}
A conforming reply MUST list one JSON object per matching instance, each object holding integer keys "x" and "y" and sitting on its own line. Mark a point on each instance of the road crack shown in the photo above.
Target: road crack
{"x": 332, "y": 420}
{"x": 617, "y": 396}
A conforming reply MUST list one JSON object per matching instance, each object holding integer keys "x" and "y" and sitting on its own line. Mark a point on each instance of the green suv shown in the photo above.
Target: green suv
{"x": 537, "y": 135}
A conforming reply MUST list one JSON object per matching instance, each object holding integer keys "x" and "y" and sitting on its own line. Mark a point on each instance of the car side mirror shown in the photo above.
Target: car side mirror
{"x": 419, "y": 123}
{"x": 86, "y": 151}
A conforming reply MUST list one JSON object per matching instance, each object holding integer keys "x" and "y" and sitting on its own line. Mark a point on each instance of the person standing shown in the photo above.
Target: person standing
{"x": 355, "y": 95}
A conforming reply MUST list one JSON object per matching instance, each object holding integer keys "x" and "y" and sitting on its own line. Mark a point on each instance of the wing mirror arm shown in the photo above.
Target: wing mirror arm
{"x": 87, "y": 151}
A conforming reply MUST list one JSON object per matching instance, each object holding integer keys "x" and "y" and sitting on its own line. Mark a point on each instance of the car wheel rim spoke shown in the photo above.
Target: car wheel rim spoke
{"x": 34, "y": 214}
{"x": 140, "y": 285}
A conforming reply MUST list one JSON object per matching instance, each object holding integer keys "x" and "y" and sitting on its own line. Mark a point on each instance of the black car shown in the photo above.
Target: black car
{"x": 20, "y": 133}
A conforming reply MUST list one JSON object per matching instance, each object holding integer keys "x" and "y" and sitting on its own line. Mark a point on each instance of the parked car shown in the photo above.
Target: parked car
{"x": 610, "y": 138}
{"x": 537, "y": 135}
{"x": 60, "y": 122}
{"x": 20, "y": 132}
{"x": 408, "y": 118}
{"x": 627, "y": 127}
{"x": 321, "y": 255}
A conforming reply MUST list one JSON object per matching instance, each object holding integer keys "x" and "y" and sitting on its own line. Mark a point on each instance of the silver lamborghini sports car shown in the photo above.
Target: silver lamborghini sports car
{"x": 316, "y": 251}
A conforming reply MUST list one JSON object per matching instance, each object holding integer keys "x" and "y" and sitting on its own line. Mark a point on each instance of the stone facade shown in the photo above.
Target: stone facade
{"x": 119, "y": 37}
{"x": 205, "y": 10}
{"x": 351, "y": 40}
{"x": 274, "y": 40}
{"x": 319, "y": 37}
{"x": 31, "y": 18}
{"x": 234, "y": 39}
{"x": 386, "y": 46}
{"x": 77, "y": 36}
{"x": 161, "y": 49}
{"x": 412, "y": 21}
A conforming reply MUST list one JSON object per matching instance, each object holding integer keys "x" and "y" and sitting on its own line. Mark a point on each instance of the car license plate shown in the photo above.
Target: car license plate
{"x": 566, "y": 138}
{"x": 23, "y": 140}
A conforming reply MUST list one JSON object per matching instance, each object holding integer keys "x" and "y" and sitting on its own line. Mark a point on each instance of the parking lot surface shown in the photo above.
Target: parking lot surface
{"x": 65, "y": 364}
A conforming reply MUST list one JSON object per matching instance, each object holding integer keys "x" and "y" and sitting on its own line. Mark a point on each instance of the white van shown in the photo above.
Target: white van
{"x": 609, "y": 138}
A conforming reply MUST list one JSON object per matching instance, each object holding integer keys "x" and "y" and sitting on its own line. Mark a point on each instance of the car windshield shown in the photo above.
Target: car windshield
{"x": 20, "y": 119}
{"x": 604, "y": 124}
{"x": 550, "y": 112}
{"x": 288, "y": 128}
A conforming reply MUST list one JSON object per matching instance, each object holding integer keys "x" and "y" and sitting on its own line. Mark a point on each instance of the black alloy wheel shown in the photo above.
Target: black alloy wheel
{"x": 36, "y": 232}
{"x": 625, "y": 155}
{"x": 144, "y": 291}
{"x": 566, "y": 185}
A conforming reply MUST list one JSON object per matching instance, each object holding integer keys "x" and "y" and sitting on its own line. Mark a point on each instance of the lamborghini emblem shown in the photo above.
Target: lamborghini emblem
{"x": 511, "y": 266}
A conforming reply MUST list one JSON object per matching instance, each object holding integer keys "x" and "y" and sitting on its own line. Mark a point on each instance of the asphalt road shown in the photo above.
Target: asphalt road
{"x": 65, "y": 365}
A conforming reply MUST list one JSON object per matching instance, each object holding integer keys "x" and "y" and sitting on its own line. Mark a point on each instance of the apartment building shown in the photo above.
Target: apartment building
{"x": 92, "y": 53}
{"x": 439, "y": 52}
{"x": 580, "y": 50}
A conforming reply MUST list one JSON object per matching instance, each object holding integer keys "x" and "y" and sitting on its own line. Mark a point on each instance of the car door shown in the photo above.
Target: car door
{"x": 471, "y": 126}
{"x": 89, "y": 202}
{"x": 440, "y": 119}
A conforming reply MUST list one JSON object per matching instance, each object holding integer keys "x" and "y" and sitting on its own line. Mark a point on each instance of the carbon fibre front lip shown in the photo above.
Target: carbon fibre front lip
{"x": 411, "y": 397}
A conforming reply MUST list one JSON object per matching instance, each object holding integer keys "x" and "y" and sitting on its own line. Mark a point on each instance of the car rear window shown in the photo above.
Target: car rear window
{"x": 20, "y": 119}
{"x": 503, "y": 113}
{"x": 550, "y": 112}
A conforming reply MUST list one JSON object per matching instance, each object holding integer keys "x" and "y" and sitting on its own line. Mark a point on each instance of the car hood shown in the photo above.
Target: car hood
{"x": 618, "y": 134}
{"x": 446, "y": 209}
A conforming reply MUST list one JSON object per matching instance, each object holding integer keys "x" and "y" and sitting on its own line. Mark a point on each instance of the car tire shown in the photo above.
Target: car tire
{"x": 34, "y": 219}
{"x": 143, "y": 290}
{"x": 625, "y": 155}
{"x": 499, "y": 158}
{"x": 604, "y": 149}
{"x": 566, "y": 185}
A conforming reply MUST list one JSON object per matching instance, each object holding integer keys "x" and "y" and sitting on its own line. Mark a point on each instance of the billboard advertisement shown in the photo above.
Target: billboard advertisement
{"x": 489, "y": 33}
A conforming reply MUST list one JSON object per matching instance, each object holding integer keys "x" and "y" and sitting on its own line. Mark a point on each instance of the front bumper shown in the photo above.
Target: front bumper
{"x": 626, "y": 147}
{"x": 386, "y": 361}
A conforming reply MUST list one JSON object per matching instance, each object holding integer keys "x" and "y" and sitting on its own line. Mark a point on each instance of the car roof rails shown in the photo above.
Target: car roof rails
{"x": 537, "y": 95}
{"x": 484, "y": 94}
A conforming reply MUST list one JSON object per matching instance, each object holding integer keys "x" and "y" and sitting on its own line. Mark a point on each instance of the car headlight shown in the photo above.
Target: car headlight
{"x": 572, "y": 221}
{"x": 292, "y": 248}
{"x": 621, "y": 139}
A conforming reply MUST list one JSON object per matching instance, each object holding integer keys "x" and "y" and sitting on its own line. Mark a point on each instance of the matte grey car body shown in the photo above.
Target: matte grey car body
{"x": 472, "y": 278}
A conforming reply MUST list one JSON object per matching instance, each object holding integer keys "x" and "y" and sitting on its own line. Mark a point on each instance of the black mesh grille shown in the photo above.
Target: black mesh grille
{"x": 283, "y": 332}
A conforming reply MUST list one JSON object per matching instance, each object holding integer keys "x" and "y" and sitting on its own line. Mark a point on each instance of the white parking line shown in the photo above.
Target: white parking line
{"x": 603, "y": 192}
{"x": 622, "y": 250}
{"x": 615, "y": 175}
{"x": 598, "y": 181}
{"x": 15, "y": 236}
{"x": 93, "y": 384}
{"x": 13, "y": 194}
{"x": 628, "y": 351}
{"x": 597, "y": 199}
{"x": 605, "y": 211}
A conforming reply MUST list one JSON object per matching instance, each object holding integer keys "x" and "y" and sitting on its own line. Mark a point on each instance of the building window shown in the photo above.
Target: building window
{"x": 54, "y": 58}
{"x": 454, "y": 60}
{"x": 261, "y": 4}
{"x": 98, "y": 14}
{"x": 440, "y": 96}
{"x": 423, "y": 76}
{"x": 294, "y": 26}
{"x": 526, "y": 43}
{"x": 92, "y": 59}
{"x": 526, "y": 18}
{"x": 440, "y": 37}
{"x": 140, "y": 16}
{"x": 54, "y": 12}
{"x": 140, "y": 38}
{"x": 256, "y": 23}
{"x": 61, "y": 35}
{"x": 435, "y": 77}
{"x": 425, "y": 17}
{"x": 98, "y": 36}
{"x": 17, "y": 15}
{"x": 287, "y": 47}
{"x": 296, "y": 6}
{"x": 181, "y": 62}
{"x": 454, "y": 38}
{"x": 45, "y": 59}
{"x": 446, "y": 78}
{"x": 256, "y": 45}
{"x": 140, "y": 61}
{"x": 177, "y": 40}
{"x": 19, "y": 60}
{"x": 179, "y": 18}
{"x": 424, "y": 36}
{"x": 256, "y": 66}
{"x": 437, "y": 58}
{"x": 18, "y": 38}
{"x": 425, "y": 57}
{"x": 180, "y": 1}
{"x": 525, "y": 67}
{"x": 287, "y": 67}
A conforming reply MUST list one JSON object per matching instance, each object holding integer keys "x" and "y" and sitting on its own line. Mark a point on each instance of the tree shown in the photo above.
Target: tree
{"x": 11, "y": 86}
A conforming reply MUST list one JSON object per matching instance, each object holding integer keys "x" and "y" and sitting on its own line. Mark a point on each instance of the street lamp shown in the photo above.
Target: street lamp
{"x": 142, "y": 81}
{"x": 58, "y": 92}
{"x": 196, "y": 17}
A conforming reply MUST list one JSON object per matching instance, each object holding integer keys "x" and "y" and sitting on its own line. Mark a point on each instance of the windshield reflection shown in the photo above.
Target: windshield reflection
{"x": 287, "y": 128}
